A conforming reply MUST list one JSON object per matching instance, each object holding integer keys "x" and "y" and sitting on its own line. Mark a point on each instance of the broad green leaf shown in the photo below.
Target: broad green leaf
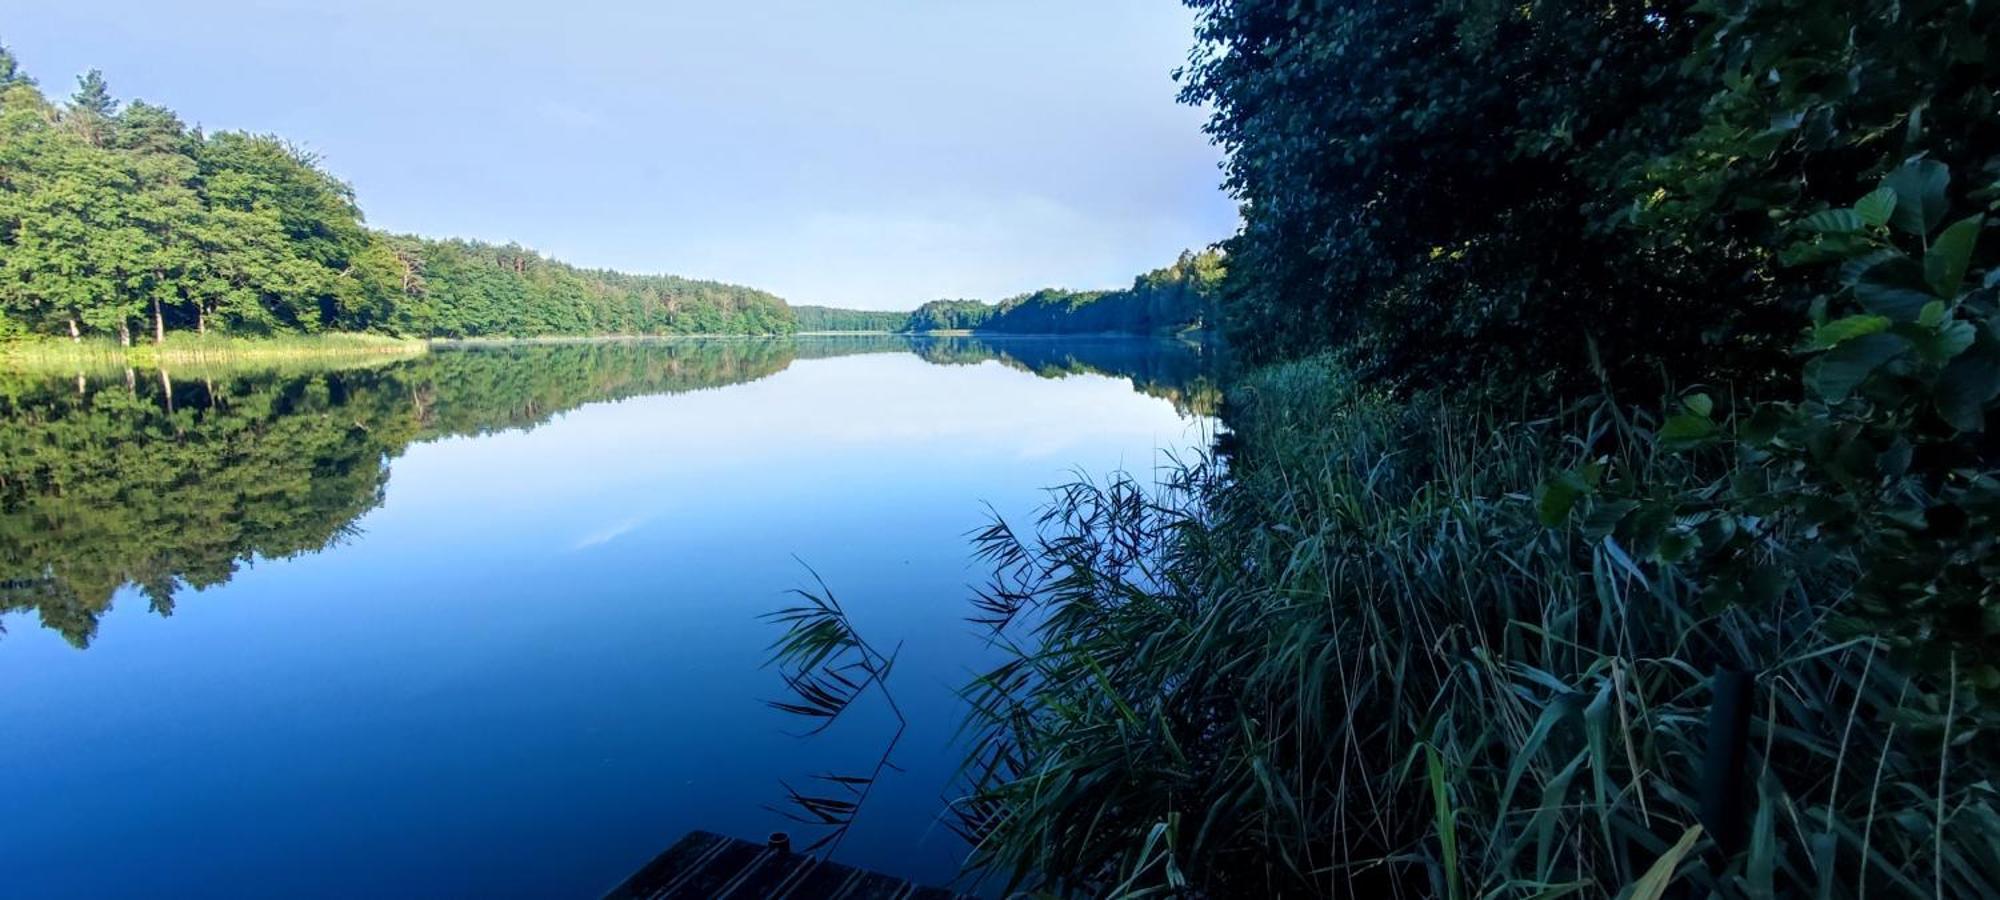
{"x": 1876, "y": 208}
{"x": 1836, "y": 373}
{"x": 1558, "y": 496}
{"x": 1938, "y": 344}
{"x": 1931, "y": 314}
{"x": 1920, "y": 199}
{"x": 1951, "y": 254}
{"x": 1840, "y": 331}
{"x": 1852, "y": 270}
{"x": 1895, "y": 288}
{"x": 1699, "y": 404}
{"x": 1686, "y": 428}
{"x": 1834, "y": 221}
{"x": 1763, "y": 425}
{"x": 1823, "y": 247}
{"x": 1967, "y": 384}
{"x": 1900, "y": 303}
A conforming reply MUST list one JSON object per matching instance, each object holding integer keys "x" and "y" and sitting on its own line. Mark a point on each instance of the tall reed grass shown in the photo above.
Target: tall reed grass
{"x": 64, "y": 356}
{"x": 1363, "y": 662}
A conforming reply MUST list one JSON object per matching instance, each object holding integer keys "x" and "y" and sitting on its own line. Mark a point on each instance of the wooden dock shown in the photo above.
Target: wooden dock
{"x": 704, "y": 865}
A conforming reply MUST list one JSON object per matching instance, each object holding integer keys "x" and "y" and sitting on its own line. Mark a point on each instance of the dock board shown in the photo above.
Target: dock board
{"x": 705, "y": 865}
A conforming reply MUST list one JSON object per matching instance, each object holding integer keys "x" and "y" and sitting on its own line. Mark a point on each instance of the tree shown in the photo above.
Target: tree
{"x": 10, "y": 70}
{"x": 110, "y": 216}
{"x": 91, "y": 108}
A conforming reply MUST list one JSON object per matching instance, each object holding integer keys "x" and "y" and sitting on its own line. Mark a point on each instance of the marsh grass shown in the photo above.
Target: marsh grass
{"x": 1365, "y": 664}
{"x": 56, "y": 356}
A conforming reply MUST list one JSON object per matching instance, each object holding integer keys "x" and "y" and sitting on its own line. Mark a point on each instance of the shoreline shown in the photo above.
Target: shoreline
{"x": 62, "y": 355}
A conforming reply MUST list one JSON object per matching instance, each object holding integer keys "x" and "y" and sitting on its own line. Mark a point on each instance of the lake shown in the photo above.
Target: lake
{"x": 485, "y": 622}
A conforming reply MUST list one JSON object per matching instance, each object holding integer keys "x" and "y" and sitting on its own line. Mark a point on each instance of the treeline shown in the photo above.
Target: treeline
{"x": 1176, "y": 298}
{"x": 118, "y": 219}
{"x": 458, "y": 288}
{"x": 1609, "y": 508}
{"x": 827, "y": 318}
{"x": 1173, "y": 299}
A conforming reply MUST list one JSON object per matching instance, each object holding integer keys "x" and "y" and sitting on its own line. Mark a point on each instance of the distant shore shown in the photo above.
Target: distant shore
{"x": 59, "y": 354}
{"x": 56, "y": 354}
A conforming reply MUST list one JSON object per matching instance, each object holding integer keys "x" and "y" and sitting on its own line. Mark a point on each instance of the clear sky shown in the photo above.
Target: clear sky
{"x": 869, "y": 153}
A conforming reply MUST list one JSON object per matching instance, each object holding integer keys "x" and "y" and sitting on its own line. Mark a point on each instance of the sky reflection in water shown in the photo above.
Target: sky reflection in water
{"x": 536, "y": 661}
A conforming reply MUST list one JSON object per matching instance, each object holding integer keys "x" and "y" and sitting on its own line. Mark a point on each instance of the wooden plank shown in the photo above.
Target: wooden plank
{"x": 708, "y": 866}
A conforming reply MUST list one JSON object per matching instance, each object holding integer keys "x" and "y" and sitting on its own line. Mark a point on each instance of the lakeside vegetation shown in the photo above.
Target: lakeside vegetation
{"x": 1608, "y": 506}
{"x": 94, "y": 354}
{"x": 1608, "y": 502}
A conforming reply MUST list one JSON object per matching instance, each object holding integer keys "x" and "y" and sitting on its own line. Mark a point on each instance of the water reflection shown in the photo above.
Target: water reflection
{"x": 168, "y": 480}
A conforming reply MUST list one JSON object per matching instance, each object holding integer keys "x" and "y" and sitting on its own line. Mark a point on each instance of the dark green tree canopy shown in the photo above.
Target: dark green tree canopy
{"x": 121, "y": 218}
{"x": 1479, "y": 192}
{"x": 10, "y": 70}
{"x": 1177, "y": 298}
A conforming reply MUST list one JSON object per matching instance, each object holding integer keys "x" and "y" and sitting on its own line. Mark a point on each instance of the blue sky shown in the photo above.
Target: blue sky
{"x": 870, "y": 153}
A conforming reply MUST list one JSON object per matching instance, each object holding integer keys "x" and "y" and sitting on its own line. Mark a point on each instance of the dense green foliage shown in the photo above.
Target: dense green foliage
{"x": 950, "y": 315}
{"x": 116, "y": 218}
{"x": 827, "y": 318}
{"x": 459, "y": 288}
{"x": 1472, "y": 611}
{"x": 1176, "y": 298}
{"x": 1476, "y": 193}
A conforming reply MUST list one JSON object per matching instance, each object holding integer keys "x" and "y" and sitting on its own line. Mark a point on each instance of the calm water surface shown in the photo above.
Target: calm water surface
{"x": 484, "y": 622}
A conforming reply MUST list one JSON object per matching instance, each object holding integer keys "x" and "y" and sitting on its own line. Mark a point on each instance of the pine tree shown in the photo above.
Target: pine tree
{"x": 10, "y": 70}
{"x": 91, "y": 108}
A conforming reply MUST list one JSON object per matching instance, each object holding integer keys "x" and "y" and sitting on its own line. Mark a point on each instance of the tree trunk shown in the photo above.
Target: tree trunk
{"x": 201, "y": 321}
{"x": 124, "y": 333}
{"x": 74, "y": 333}
{"x": 159, "y": 324}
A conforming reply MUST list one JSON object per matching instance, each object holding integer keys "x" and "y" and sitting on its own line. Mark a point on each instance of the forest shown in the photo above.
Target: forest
{"x": 1170, "y": 300}
{"x": 118, "y": 220}
{"x": 1173, "y": 299}
{"x": 830, "y": 319}
{"x": 1608, "y": 500}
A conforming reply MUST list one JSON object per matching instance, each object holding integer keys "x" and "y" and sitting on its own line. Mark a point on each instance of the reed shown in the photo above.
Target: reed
{"x": 1360, "y": 657}
{"x": 64, "y": 356}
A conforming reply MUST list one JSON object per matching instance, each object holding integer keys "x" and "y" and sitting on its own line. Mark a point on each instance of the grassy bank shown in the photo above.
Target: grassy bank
{"x": 57, "y": 355}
